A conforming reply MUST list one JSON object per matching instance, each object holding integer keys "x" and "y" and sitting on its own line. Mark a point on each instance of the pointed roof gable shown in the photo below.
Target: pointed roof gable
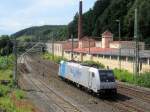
{"x": 107, "y": 34}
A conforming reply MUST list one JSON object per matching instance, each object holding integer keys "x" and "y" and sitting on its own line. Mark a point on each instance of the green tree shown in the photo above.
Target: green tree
{"x": 104, "y": 13}
{"x": 6, "y": 46}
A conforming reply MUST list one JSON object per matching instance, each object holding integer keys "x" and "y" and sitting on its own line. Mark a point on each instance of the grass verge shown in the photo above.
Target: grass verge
{"x": 94, "y": 64}
{"x": 11, "y": 100}
{"x": 124, "y": 76}
{"x": 51, "y": 57}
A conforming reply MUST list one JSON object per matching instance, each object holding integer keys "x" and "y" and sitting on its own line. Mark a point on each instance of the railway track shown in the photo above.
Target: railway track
{"x": 62, "y": 104}
{"x": 135, "y": 93}
{"x": 139, "y": 91}
{"x": 123, "y": 106}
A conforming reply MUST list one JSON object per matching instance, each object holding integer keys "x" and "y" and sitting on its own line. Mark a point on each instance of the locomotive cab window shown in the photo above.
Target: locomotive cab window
{"x": 106, "y": 76}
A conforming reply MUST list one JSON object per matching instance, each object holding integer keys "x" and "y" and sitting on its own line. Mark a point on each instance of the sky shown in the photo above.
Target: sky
{"x": 20, "y": 14}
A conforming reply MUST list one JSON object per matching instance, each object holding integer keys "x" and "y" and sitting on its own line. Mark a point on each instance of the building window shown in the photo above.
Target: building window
{"x": 130, "y": 59}
{"x": 93, "y": 75}
{"x": 114, "y": 57}
{"x": 94, "y": 55}
{"x": 100, "y": 55}
{"x": 144, "y": 60}
{"x": 107, "y": 57}
{"x": 84, "y": 54}
{"x": 123, "y": 58}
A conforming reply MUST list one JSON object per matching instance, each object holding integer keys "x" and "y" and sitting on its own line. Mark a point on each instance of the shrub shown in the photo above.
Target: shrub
{"x": 125, "y": 76}
{"x": 6, "y": 62}
{"x": 4, "y": 90}
{"x": 7, "y": 105}
{"x": 19, "y": 94}
{"x": 143, "y": 80}
{"x": 6, "y": 102}
{"x": 50, "y": 57}
{"x": 93, "y": 63}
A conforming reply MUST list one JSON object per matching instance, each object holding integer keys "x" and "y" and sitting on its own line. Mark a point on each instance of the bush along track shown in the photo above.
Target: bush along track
{"x": 11, "y": 99}
{"x": 51, "y": 57}
{"x": 142, "y": 80}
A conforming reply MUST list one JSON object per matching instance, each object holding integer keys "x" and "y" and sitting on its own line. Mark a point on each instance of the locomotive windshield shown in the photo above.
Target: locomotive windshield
{"x": 106, "y": 76}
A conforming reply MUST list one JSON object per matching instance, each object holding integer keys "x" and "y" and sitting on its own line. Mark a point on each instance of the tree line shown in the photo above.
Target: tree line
{"x": 104, "y": 14}
{"x": 6, "y": 45}
{"x": 42, "y": 33}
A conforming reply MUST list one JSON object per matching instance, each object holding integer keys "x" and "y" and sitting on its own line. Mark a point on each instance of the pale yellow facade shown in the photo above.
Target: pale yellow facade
{"x": 108, "y": 61}
{"x": 127, "y": 45}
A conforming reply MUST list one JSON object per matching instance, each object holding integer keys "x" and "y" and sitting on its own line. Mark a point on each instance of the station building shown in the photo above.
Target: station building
{"x": 58, "y": 48}
{"x": 107, "y": 51}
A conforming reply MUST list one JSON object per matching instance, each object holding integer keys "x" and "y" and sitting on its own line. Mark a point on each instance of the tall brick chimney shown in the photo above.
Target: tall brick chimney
{"x": 80, "y": 33}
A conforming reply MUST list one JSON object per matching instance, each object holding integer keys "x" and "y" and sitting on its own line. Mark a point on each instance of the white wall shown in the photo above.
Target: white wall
{"x": 98, "y": 44}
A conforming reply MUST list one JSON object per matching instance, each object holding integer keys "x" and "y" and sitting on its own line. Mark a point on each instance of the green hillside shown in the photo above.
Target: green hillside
{"x": 104, "y": 13}
{"x": 43, "y": 33}
{"x": 99, "y": 18}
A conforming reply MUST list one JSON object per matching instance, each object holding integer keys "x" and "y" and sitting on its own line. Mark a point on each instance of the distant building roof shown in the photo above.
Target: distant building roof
{"x": 112, "y": 52}
{"x": 75, "y": 40}
{"x": 86, "y": 38}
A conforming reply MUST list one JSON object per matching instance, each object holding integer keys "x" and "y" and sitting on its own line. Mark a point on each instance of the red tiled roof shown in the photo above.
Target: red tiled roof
{"x": 107, "y": 33}
{"x": 93, "y": 50}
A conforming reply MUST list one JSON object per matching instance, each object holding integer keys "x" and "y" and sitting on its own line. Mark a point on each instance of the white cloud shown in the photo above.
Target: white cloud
{"x": 18, "y": 14}
{"x": 42, "y": 5}
{"x": 36, "y": 13}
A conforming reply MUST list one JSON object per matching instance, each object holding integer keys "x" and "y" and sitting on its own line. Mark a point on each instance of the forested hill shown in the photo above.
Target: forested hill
{"x": 43, "y": 32}
{"x": 104, "y": 13}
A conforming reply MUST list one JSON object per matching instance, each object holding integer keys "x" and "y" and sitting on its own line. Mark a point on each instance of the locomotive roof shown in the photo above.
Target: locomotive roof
{"x": 87, "y": 65}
